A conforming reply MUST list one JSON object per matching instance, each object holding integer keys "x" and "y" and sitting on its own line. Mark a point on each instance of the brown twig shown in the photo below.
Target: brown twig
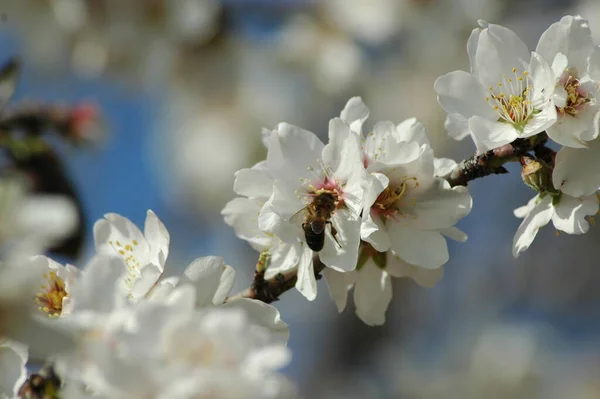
{"x": 491, "y": 162}
{"x": 270, "y": 290}
{"x": 477, "y": 166}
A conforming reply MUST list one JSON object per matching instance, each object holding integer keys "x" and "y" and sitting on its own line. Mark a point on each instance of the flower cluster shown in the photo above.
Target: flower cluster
{"x": 118, "y": 329}
{"x": 371, "y": 205}
{"x": 511, "y": 93}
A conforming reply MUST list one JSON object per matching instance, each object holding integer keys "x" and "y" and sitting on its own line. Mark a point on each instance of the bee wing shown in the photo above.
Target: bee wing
{"x": 9, "y": 76}
{"x": 354, "y": 199}
{"x": 296, "y": 219}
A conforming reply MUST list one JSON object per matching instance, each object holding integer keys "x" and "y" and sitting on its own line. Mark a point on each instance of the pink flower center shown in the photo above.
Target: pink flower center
{"x": 577, "y": 97}
{"x": 330, "y": 186}
{"x": 387, "y": 205}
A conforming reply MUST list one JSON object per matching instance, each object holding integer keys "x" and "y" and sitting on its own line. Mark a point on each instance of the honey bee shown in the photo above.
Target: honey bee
{"x": 317, "y": 216}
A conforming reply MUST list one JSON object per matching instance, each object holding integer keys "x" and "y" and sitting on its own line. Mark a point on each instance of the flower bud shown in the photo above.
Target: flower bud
{"x": 537, "y": 174}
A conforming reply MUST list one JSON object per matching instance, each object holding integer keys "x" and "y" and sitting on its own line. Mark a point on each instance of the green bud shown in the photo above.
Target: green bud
{"x": 538, "y": 175}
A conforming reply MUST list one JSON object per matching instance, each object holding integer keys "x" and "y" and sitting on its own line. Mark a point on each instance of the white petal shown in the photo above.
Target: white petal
{"x": 472, "y": 44}
{"x": 570, "y": 36}
{"x": 560, "y": 63}
{"x": 291, "y": 151}
{"x": 148, "y": 277}
{"x": 306, "y": 283}
{"x": 523, "y": 211}
{"x": 499, "y": 50}
{"x": 568, "y": 129}
{"x": 242, "y": 214}
{"x": 411, "y": 130}
{"x": 338, "y": 285}
{"x": 158, "y": 237}
{"x": 437, "y": 207}
{"x": 100, "y": 283}
{"x": 342, "y": 154}
{"x": 275, "y": 215}
{"x": 372, "y": 294}
{"x": 457, "y": 126}
{"x": 212, "y": 278}
{"x": 594, "y": 64}
{"x": 443, "y": 166}
{"x": 355, "y": 113}
{"x": 454, "y": 233}
{"x": 254, "y": 182}
{"x": 284, "y": 257}
{"x": 569, "y": 215}
{"x": 390, "y": 145}
{"x": 577, "y": 171}
{"x": 113, "y": 233}
{"x": 373, "y": 231}
{"x": 544, "y": 83}
{"x": 374, "y": 185}
{"x": 13, "y": 373}
{"x": 461, "y": 93}
{"x": 342, "y": 257}
{"x": 538, "y": 217}
{"x": 396, "y": 267}
{"x": 264, "y": 315}
{"x": 489, "y": 134}
{"x": 420, "y": 248}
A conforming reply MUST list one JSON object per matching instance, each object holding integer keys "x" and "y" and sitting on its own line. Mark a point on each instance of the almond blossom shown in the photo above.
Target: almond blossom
{"x": 567, "y": 45}
{"x": 174, "y": 343}
{"x": 144, "y": 254}
{"x": 508, "y": 93}
{"x": 30, "y": 301}
{"x": 567, "y": 213}
{"x": 255, "y": 187}
{"x": 575, "y": 60}
{"x": 408, "y": 212}
{"x": 410, "y": 209}
{"x": 372, "y": 282}
{"x": 128, "y": 250}
{"x": 157, "y": 351}
{"x": 304, "y": 168}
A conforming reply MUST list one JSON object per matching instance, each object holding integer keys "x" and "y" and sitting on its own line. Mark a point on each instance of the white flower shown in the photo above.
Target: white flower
{"x": 212, "y": 280}
{"x": 407, "y": 213}
{"x": 567, "y": 213}
{"x": 576, "y": 63}
{"x": 23, "y": 288}
{"x": 373, "y": 284}
{"x": 255, "y": 185}
{"x": 206, "y": 282}
{"x": 507, "y": 95}
{"x": 13, "y": 357}
{"x": 55, "y": 287}
{"x": 144, "y": 254}
{"x": 305, "y": 170}
{"x": 567, "y": 45}
{"x": 161, "y": 351}
{"x": 409, "y": 208}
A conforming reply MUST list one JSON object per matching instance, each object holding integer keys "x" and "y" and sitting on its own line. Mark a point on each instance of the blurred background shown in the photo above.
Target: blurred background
{"x": 185, "y": 87}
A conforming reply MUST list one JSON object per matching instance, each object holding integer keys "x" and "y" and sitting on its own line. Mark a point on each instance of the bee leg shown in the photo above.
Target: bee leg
{"x": 334, "y": 233}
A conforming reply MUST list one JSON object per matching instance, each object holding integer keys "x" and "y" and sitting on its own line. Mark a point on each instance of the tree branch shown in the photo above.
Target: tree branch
{"x": 477, "y": 166}
{"x": 270, "y": 290}
{"x": 490, "y": 162}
